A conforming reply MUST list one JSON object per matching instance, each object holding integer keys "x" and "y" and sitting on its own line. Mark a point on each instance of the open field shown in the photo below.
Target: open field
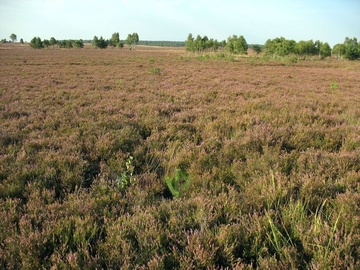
{"x": 88, "y": 137}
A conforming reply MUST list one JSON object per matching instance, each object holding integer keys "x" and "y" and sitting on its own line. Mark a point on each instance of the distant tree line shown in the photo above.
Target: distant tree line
{"x": 283, "y": 47}
{"x": 162, "y": 43}
{"x": 350, "y": 49}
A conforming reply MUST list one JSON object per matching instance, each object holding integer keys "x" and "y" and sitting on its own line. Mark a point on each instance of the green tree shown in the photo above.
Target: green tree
{"x": 36, "y": 43}
{"x": 212, "y": 45}
{"x": 338, "y": 51}
{"x": 199, "y": 44}
{"x": 237, "y": 45}
{"x": 280, "y": 47}
{"x": 21, "y": 41}
{"x": 95, "y": 42}
{"x": 13, "y": 37}
{"x": 257, "y": 49}
{"x": 230, "y": 44}
{"x": 132, "y": 40}
{"x": 62, "y": 43}
{"x": 115, "y": 40}
{"x": 102, "y": 44}
{"x": 307, "y": 48}
{"x": 325, "y": 50}
{"x": 189, "y": 43}
{"x": 53, "y": 42}
{"x": 68, "y": 44}
{"x": 3, "y": 40}
{"x": 241, "y": 45}
{"x": 352, "y": 51}
{"x": 46, "y": 43}
{"x": 215, "y": 45}
{"x": 78, "y": 43}
{"x": 301, "y": 48}
{"x": 99, "y": 42}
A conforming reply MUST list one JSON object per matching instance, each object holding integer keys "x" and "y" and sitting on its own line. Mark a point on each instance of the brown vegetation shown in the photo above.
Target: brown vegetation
{"x": 272, "y": 149}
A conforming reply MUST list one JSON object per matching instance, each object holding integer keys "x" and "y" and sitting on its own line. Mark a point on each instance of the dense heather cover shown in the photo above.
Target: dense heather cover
{"x": 95, "y": 143}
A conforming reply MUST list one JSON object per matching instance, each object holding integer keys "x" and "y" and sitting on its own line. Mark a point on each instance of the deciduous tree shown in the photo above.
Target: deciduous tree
{"x": 237, "y": 45}
{"x": 115, "y": 40}
{"x": 325, "y": 50}
{"x": 132, "y": 40}
{"x": 189, "y": 43}
{"x": 351, "y": 49}
{"x": 280, "y": 46}
{"x": 13, "y": 37}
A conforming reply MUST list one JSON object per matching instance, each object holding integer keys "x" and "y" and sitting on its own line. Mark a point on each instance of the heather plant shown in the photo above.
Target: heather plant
{"x": 87, "y": 169}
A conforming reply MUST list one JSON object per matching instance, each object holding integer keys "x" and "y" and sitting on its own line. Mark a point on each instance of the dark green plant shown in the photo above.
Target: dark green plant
{"x": 36, "y": 43}
{"x": 178, "y": 183}
{"x": 155, "y": 70}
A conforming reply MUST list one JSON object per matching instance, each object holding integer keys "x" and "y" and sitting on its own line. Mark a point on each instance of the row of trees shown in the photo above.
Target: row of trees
{"x": 201, "y": 44}
{"x": 277, "y": 47}
{"x": 234, "y": 44}
{"x": 350, "y": 49}
{"x": 162, "y": 43}
{"x": 37, "y": 43}
{"x": 101, "y": 43}
{"x": 283, "y": 47}
{"x": 115, "y": 41}
{"x": 13, "y": 38}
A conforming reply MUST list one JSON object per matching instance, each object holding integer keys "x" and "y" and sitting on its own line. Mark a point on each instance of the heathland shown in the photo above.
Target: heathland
{"x": 160, "y": 159}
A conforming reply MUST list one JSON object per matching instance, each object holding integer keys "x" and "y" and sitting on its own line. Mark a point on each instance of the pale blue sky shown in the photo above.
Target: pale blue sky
{"x": 257, "y": 20}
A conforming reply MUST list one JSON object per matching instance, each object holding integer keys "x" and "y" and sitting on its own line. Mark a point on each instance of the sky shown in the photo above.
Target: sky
{"x": 257, "y": 20}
